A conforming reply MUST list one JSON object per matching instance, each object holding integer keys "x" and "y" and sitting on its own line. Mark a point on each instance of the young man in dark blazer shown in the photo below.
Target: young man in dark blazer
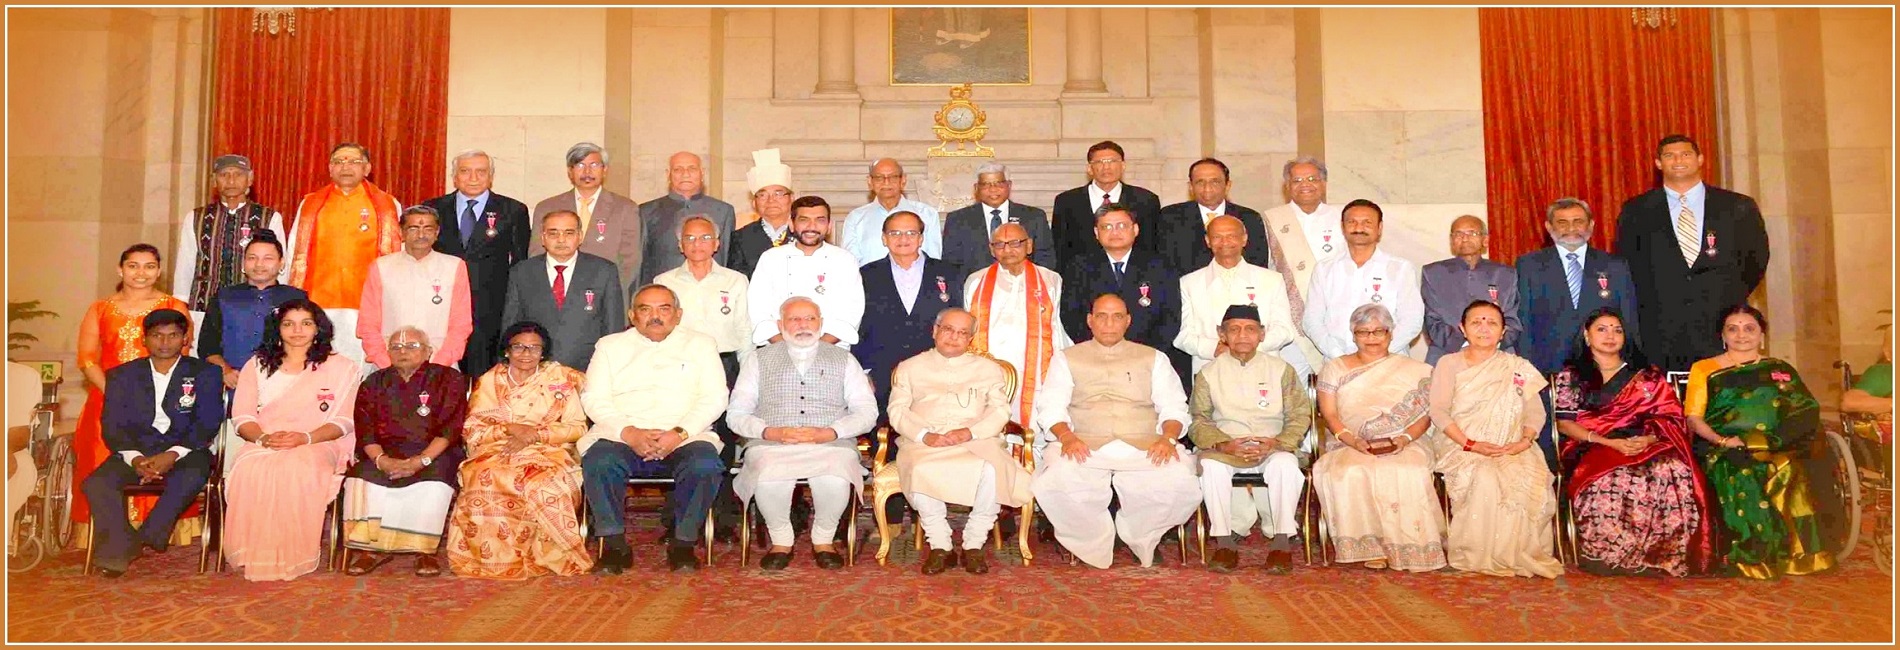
{"x": 1075, "y": 209}
{"x": 490, "y": 232}
{"x": 1151, "y": 290}
{"x": 1182, "y": 235}
{"x": 591, "y": 302}
{"x": 161, "y": 414}
{"x": 1693, "y": 250}
{"x": 966, "y": 230}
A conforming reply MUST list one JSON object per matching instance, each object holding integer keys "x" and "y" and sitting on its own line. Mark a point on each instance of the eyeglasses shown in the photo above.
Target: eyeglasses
{"x": 1371, "y": 333}
{"x": 1466, "y": 234}
{"x": 1106, "y": 162}
{"x": 1014, "y": 244}
{"x": 349, "y": 162}
{"x": 522, "y": 348}
{"x": 592, "y": 166}
{"x": 698, "y": 239}
{"x": 776, "y": 194}
{"x": 407, "y": 345}
{"x": 902, "y": 234}
{"x": 990, "y": 185}
{"x": 1115, "y": 227}
{"x": 959, "y": 333}
{"x": 886, "y": 178}
{"x": 1314, "y": 179}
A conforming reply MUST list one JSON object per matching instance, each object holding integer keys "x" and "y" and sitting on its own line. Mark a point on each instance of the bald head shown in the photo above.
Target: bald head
{"x": 1108, "y": 319}
{"x": 684, "y": 175}
{"x": 1227, "y": 238}
{"x": 886, "y": 181}
{"x": 1467, "y": 238}
{"x": 1010, "y": 245}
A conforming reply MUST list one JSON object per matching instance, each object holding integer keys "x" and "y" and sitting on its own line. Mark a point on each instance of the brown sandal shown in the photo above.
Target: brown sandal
{"x": 427, "y": 566}
{"x": 364, "y": 563}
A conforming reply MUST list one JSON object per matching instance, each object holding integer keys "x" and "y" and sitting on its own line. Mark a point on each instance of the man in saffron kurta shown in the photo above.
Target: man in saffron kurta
{"x": 1014, "y": 303}
{"x": 339, "y": 232}
{"x": 408, "y": 446}
{"x": 950, "y": 408}
{"x": 417, "y": 287}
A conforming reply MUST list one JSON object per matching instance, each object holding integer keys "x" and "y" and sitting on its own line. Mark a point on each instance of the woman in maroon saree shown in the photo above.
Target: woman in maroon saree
{"x": 1634, "y": 488}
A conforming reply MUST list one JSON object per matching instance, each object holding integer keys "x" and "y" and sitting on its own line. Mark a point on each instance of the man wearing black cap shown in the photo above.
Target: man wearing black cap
{"x": 1250, "y": 411}
{"x": 211, "y": 241}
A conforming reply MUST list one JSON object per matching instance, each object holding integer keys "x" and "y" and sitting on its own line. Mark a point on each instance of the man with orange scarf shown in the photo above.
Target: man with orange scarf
{"x": 1014, "y": 302}
{"x": 339, "y": 232}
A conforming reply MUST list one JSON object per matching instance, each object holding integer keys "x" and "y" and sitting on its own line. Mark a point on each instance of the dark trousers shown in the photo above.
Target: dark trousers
{"x": 697, "y": 474}
{"x": 105, "y": 489}
{"x": 726, "y": 508}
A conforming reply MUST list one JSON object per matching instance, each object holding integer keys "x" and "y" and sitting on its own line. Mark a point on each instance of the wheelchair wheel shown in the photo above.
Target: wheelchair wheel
{"x": 57, "y": 506}
{"x": 1842, "y": 487}
{"x": 26, "y": 552}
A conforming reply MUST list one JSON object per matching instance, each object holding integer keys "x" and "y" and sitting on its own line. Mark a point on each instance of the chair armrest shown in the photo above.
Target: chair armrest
{"x": 883, "y": 446}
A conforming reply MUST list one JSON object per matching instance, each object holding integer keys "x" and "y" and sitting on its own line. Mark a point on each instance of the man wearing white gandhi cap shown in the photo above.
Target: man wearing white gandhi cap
{"x": 769, "y": 182}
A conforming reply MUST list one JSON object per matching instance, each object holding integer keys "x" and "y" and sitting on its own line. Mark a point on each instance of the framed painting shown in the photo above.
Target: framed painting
{"x": 941, "y": 46}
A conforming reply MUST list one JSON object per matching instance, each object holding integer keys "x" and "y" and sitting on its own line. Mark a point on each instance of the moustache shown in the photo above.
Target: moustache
{"x": 655, "y": 322}
{"x": 1358, "y": 232}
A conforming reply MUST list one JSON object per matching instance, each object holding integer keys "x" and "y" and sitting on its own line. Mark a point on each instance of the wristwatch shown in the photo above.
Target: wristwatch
{"x": 425, "y": 460}
{"x": 678, "y": 431}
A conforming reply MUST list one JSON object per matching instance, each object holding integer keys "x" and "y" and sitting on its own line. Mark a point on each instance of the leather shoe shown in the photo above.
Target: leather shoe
{"x": 1223, "y": 560}
{"x": 829, "y": 560}
{"x": 956, "y": 558}
{"x": 681, "y": 558}
{"x": 108, "y": 573}
{"x": 775, "y": 561}
{"x": 936, "y": 562}
{"x": 364, "y": 563}
{"x": 613, "y": 561}
{"x": 1279, "y": 562}
{"x": 976, "y": 562}
{"x": 427, "y": 566}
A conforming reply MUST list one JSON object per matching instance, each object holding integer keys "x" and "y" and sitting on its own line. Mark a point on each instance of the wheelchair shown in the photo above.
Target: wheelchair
{"x": 44, "y": 526}
{"x": 1871, "y": 444}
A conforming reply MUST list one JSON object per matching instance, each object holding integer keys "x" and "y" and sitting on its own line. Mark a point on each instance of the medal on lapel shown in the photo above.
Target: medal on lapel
{"x": 1327, "y": 246}
{"x": 362, "y": 216}
{"x": 821, "y": 285}
{"x": 1145, "y": 302}
{"x": 725, "y": 303}
{"x": 1603, "y": 285}
{"x": 437, "y": 286}
{"x": 324, "y": 397}
{"x": 1375, "y": 289}
{"x": 1250, "y": 299}
{"x": 244, "y": 235}
{"x": 491, "y": 225}
{"x": 186, "y": 400}
{"x": 943, "y": 290}
{"x": 1263, "y": 398}
{"x": 1710, "y": 251}
{"x": 424, "y": 409}
{"x": 1493, "y": 289}
{"x": 589, "y": 295}
{"x": 600, "y": 229}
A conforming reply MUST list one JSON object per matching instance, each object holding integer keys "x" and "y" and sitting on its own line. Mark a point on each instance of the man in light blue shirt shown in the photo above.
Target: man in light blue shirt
{"x": 863, "y": 232}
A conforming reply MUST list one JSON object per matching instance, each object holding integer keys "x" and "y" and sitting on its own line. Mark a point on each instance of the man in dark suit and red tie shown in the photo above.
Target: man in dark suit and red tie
{"x": 1693, "y": 250}
{"x": 1076, "y": 208}
{"x": 490, "y": 233}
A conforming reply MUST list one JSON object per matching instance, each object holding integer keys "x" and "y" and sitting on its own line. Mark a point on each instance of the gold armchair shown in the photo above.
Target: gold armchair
{"x": 884, "y": 481}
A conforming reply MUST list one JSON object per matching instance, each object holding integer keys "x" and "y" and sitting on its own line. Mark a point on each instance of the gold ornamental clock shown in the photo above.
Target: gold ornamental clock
{"x": 961, "y": 122}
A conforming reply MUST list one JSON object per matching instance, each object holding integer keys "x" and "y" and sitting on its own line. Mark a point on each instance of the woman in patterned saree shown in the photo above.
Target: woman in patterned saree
{"x": 1375, "y": 479}
{"x": 110, "y": 334}
{"x": 1485, "y": 405}
{"x": 1635, "y": 489}
{"x": 518, "y": 513}
{"x": 1762, "y": 422}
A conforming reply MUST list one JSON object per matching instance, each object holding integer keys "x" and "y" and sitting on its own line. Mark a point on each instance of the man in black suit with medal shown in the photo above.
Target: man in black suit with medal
{"x": 490, "y": 233}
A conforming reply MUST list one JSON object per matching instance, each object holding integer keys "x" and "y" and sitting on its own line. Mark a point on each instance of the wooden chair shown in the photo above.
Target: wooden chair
{"x": 210, "y": 515}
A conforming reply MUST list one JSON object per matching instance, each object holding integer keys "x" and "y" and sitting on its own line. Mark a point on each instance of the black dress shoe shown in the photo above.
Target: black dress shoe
{"x": 1223, "y": 560}
{"x": 936, "y": 562}
{"x": 666, "y": 537}
{"x": 613, "y": 561}
{"x": 1279, "y": 562}
{"x": 829, "y": 560}
{"x": 977, "y": 562}
{"x": 108, "y": 573}
{"x": 681, "y": 558}
{"x": 775, "y": 561}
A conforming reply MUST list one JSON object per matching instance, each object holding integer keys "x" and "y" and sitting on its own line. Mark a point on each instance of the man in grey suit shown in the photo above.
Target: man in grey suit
{"x": 966, "y": 231}
{"x": 575, "y": 295}
{"x": 610, "y": 223}
{"x": 660, "y": 218}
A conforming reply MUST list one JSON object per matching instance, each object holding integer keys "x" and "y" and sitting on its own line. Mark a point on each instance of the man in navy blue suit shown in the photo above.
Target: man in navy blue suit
{"x": 1557, "y": 286}
{"x": 161, "y": 414}
{"x": 1142, "y": 279}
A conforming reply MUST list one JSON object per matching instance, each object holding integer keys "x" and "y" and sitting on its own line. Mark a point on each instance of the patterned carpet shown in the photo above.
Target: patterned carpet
{"x": 163, "y": 599}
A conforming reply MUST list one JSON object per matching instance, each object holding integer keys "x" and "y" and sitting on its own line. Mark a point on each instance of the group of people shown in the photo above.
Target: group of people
{"x": 521, "y": 366}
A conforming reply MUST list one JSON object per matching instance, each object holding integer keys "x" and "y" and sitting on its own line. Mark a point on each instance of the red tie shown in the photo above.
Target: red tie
{"x": 560, "y": 285}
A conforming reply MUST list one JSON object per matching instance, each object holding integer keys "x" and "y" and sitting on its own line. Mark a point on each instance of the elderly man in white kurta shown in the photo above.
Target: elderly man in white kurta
{"x": 417, "y": 287}
{"x": 1364, "y": 274}
{"x": 812, "y": 269}
{"x": 1014, "y": 304}
{"x": 1116, "y": 408}
{"x": 1250, "y": 413}
{"x": 802, "y": 406}
{"x": 950, "y": 407}
{"x": 1230, "y": 280}
{"x": 714, "y": 300}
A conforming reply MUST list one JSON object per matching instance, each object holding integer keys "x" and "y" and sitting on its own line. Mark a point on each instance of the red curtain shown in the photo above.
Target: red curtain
{"x": 1574, "y": 103}
{"x": 374, "y": 76}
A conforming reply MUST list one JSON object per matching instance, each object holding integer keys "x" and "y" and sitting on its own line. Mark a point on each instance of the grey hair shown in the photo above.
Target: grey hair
{"x": 957, "y": 310}
{"x": 798, "y": 299}
{"x": 408, "y": 329}
{"x": 873, "y": 168}
{"x": 1372, "y": 312}
{"x": 1566, "y": 203}
{"x": 580, "y": 151}
{"x": 1286, "y": 172}
{"x": 670, "y": 293}
{"x": 1484, "y": 228}
{"x": 457, "y": 160}
{"x": 993, "y": 168}
{"x": 681, "y": 231}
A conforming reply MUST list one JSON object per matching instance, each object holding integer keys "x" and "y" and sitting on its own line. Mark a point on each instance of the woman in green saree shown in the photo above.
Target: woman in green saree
{"x": 1761, "y": 423}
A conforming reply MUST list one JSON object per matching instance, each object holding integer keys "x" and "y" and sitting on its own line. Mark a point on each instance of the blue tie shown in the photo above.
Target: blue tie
{"x": 1118, "y": 272}
{"x": 468, "y": 223}
{"x": 996, "y": 219}
{"x": 1573, "y": 273}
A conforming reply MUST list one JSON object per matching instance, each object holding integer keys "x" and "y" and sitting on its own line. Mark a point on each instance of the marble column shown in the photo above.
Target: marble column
{"x": 1085, "y": 52}
{"x": 836, "y": 68}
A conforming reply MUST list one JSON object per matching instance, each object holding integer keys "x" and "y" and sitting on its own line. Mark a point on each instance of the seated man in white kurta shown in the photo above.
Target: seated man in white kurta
{"x": 418, "y": 287}
{"x": 1230, "y": 280}
{"x": 801, "y": 404}
{"x": 1116, "y": 408}
{"x": 1250, "y": 412}
{"x": 950, "y": 407}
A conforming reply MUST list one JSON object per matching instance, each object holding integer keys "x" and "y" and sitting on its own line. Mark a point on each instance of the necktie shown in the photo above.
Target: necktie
{"x": 468, "y": 223}
{"x": 996, "y": 219}
{"x": 1118, "y": 272}
{"x": 1573, "y": 274}
{"x": 1105, "y": 202}
{"x": 1686, "y": 233}
{"x": 560, "y": 285}
{"x": 586, "y": 209}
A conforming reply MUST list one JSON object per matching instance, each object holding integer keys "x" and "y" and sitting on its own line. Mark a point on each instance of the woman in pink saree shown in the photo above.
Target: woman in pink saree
{"x": 294, "y": 410}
